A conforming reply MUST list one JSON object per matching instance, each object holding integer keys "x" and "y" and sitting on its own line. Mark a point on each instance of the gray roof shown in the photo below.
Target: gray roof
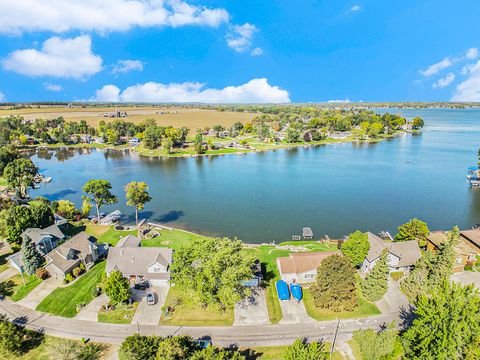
{"x": 78, "y": 247}
{"x": 407, "y": 251}
{"x": 37, "y": 234}
{"x": 129, "y": 241}
{"x": 137, "y": 260}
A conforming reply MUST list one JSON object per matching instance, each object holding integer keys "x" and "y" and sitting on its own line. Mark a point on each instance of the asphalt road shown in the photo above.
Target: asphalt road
{"x": 245, "y": 335}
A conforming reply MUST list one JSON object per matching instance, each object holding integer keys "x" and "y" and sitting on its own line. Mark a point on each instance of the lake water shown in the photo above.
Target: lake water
{"x": 259, "y": 197}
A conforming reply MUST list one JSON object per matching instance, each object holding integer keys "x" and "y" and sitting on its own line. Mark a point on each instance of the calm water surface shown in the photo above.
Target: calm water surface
{"x": 334, "y": 189}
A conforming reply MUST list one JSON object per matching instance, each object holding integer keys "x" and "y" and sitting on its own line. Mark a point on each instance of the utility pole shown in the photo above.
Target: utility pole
{"x": 334, "y": 338}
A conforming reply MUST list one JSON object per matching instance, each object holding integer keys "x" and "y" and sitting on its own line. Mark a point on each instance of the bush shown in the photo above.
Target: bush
{"x": 396, "y": 275}
{"x": 77, "y": 271}
{"x": 82, "y": 267}
{"x": 96, "y": 291}
{"x": 41, "y": 273}
{"x": 68, "y": 278}
{"x": 80, "y": 307}
{"x": 468, "y": 268}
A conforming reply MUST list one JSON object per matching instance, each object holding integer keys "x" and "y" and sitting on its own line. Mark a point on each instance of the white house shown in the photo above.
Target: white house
{"x": 402, "y": 255}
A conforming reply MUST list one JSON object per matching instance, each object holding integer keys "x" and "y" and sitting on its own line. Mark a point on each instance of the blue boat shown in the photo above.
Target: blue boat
{"x": 296, "y": 290}
{"x": 282, "y": 290}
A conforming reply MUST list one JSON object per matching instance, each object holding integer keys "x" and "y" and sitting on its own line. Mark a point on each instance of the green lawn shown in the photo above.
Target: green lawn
{"x": 63, "y": 301}
{"x": 4, "y": 262}
{"x": 19, "y": 291}
{"x": 364, "y": 309}
{"x": 123, "y": 314}
{"x": 3, "y": 182}
{"x": 107, "y": 233}
{"x": 174, "y": 239}
{"x": 190, "y": 312}
{"x": 313, "y": 245}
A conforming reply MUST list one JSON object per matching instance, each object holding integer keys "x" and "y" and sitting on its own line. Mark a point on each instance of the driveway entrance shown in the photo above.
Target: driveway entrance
{"x": 252, "y": 310}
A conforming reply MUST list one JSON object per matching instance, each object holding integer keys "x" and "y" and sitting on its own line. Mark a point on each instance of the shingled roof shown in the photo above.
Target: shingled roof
{"x": 36, "y": 234}
{"x": 299, "y": 263}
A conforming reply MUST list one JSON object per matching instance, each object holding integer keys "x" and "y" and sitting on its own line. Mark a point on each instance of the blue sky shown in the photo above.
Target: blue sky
{"x": 239, "y": 51}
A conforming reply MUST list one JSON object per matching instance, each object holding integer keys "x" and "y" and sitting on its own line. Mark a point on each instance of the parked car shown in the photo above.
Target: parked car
{"x": 151, "y": 300}
{"x": 142, "y": 286}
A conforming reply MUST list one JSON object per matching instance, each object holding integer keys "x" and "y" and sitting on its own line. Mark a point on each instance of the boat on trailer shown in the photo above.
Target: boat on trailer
{"x": 296, "y": 291}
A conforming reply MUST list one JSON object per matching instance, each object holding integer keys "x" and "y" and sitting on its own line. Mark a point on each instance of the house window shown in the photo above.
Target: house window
{"x": 459, "y": 260}
{"x": 309, "y": 276}
{"x": 157, "y": 269}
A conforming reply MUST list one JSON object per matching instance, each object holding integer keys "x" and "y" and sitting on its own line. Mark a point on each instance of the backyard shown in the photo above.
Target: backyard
{"x": 63, "y": 301}
{"x": 174, "y": 239}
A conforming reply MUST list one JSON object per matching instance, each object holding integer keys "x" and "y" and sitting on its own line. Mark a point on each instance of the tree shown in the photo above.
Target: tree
{"x": 42, "y": 214}
{"x": 20, "y": 174}
{"x": 66, "y": 209}
{"x": 199, "y": 149}
{"x": 11, "y": 337}
{"x": 446, "y": 322}
{"x": 176, "y": 348}
{"x": 14, "y": 221}
{"x": 216, "y": 353}
{"x": 382, "y": 345}
{"x": 374, "y": 129}
{"x": 375, "y": 285}
{"x": 99, "y": 193}
{"x": 417, "y": 123}
{"x": 86, "y": 206}
{"x": 152, "y": 137}
{"x": 213, "y": 269}
{"x": 167, "y": 145}
{"x": 301, "y": 349}
{"x": 117, "y": 287}
{"x": 137, "y": 196}
{"x": 413, "y": 230}
{"x": 335, "y": 287}
{"x": 7, "y": 154}
{"x": 139, "y": 347}
{"x": 356, "y": 247}
{"x": 32, "y": 259}
{"x": 292, "y": 135}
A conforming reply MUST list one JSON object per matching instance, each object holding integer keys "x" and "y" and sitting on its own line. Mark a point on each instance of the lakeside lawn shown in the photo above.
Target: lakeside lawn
{"x": 123, "y": 314}
{"x": 107, "y": 233}
{"x": 312, "y": 245}
{"x": 63, "y": 301}
{"x": 174, "y": 239}
{"x": 189, "y": 312}
{"x": 364, "y": 309}
{"x": 16, "y": 290}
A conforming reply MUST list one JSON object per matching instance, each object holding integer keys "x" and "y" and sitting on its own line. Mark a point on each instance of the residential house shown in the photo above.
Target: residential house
{"x": 81, "y": 248}
{"x": 141, "y": 264}
{"x": 134, "y": 141}
{"x": 301, "y": 267}
{"x": 402, "y": 255}
{"x": 45, "y": 239}
{"x": 472, "y": 237}
{"x": 465, "y": 251}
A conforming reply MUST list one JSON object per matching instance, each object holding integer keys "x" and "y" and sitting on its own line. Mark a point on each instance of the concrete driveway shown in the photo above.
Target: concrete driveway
{"x": 7, "y": 274}
{"x": 467, "y": 278}
{"x": 90, "y": 312}
{"x": 149, "y": 314}
{"x": 39, "y": 293}
{"x": 393, "y": 300}
{"x": 294, "y": 312}
{"x": 252, "y": 310}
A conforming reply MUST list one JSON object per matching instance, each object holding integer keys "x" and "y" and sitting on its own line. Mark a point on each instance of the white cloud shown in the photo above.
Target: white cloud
{"x": 444, "y": 82}
{"x": 125, "y": 66}
{"x": 53, "y": 87}
{"x": 64, "y": 58}
{"x": 254, "y": 91}
{"x": 103, "y": 15}
{"x": 347, "y": 100}
{"x": 256, "y": 52}
{"x": 472, "y": 53}
{"x": 354, "y": 8}
{"x": 2, "y": 97}
{"x": 240, "y": 37}
{"x": 469, "y": 89}
{"x": 437, "y": 67}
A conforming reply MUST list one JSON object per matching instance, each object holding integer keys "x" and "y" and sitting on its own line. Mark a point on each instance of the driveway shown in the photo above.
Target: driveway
{"x": 467, "y": 278}
{"x": 7, "y": 274}
{"x": 393, "y": 300}
{"x": 252, "y": 310}
{"x": 294, "y": 312}
{"x": 90, "y": 312}
{"x": 39, "y": 293}
{"x": 149, "y": 314}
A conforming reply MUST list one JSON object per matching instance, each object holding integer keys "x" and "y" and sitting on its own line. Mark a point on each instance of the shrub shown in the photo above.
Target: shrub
{"x": 77, "y": 271}
{"x": 11, "y": 337}
{"x": 396, "y": 275}
{"x": 41, "y": 273}
{"x": 82, "y": 267}
{"x": 468, "y": 267}
{"x": 68, "y": 278}
{"x": 96, "y": 291}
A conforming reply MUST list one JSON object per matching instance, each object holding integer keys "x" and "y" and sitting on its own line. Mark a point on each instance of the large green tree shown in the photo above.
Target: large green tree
{"x": 417, "y": 123}
{"x": 117, "y": 287}
{"x": 356, "y": 247}
{"x": 413, "y": 230}
{"x": 176, "y": 348}
{"x": 137, "y": 196}
{"x": 301, "y": 349}
{"x": 446, "y": 323}
{"x": 335, "y": 287}
{"x": 382, "y": 345}
{"x": 20, "y": 175}
{"x": 7, "y": 154}
{"x": 213, "y": 269}
{"x": 42, "y": 214}
{"x": 32, "y": 259}
{"x": 199, "y": 149}
{"x": 11, "y": 337}
{"x": 217, "y": 353}
{"x": 98, "y": 191}
{"x": 375, "y": 284}
{"x": 139, "y": 347}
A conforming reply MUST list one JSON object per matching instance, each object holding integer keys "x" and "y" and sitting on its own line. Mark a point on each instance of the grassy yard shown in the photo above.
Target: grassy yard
{"x": 190, "y": 312}
{"x": 3, "y": 262}
{"x": 63, "y": 301}
{"x": 364, "y": 309}
{"x": 123, "y": 314}
{"x": 174, "y": 239}
{"x": 16, "y": 290}
{"x": 278, "y": 352}
{"x": 107, "y": 233}
{"x": 313, "y": 245}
